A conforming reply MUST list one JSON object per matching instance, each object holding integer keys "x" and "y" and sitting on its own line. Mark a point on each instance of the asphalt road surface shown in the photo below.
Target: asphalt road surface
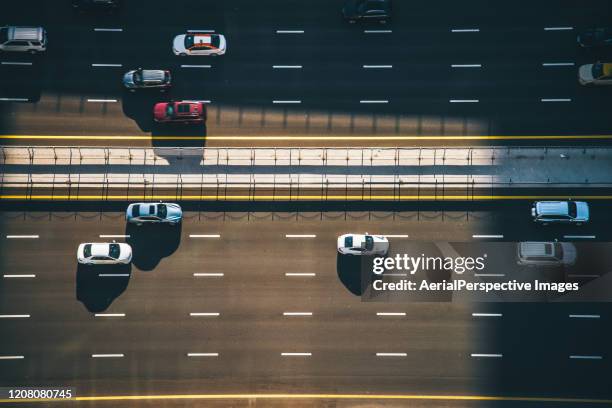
{"x": 453, "y": 69}
{"x": 222, "y": 304}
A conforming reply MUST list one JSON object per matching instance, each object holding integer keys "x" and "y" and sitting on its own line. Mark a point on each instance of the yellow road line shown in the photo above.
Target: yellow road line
{"x": 307, "y": 138}
{"x": 318, "y": 397}
{"x": 123, "y": 197}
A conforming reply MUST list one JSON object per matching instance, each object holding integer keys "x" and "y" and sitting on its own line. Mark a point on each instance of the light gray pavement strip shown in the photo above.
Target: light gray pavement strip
{"x": 240, "y": 167}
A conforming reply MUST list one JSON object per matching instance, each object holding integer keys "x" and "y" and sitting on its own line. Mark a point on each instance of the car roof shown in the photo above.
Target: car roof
{"x": 99, "y": 249}
{"x": 25, "y": 33}
{"x": 536, "y": 248}
{"x": 153, "y": 75}
{"x": 553, "y": 207}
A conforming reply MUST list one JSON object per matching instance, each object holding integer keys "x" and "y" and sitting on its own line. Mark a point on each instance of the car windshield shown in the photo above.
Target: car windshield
{"x": 571, "y": 207}
{"x": 598, "y": 70}
{"x": 3, "y": 35}
{"x": 216, "y": 41}
{"x": 188, "y": 41}
{"x": 113, "y": 251}
{"x": 170, "y": 110}
{"x": 136, "y": 210}
{"x": 162, "y": 210}
{"x": 558, "y": 250}
{"x": 137, "y": 78}
{"x": 87, "y": 251}
{"x": 369, "y": 243}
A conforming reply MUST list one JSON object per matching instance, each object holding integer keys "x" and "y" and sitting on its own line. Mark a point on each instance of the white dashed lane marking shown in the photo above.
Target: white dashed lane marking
{"x": 480, "y": 355}
{"x": 303, "y": 274}
{"x": 584, "y": 316}
{"x": 202, "y": 354}
{"x": 391, "y": 354}
{"x": 289, "y": 31}
{"x": 17, "y": 316}
{"x": 208, "y": 275}
{"x": 112, "y": 30}
{"x": 22, "y": 236}
{"x": 117, "y": 355}
{"x": 19, "y": 276}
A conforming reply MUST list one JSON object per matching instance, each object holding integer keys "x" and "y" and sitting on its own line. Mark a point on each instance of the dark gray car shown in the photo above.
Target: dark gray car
{"x": 147, "y": 79}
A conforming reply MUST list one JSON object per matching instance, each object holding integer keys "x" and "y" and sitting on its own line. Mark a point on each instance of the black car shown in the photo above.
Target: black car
{"x": 96, "y": 4}
{"x": 595, "y": 37}
{"x": 367, "y": 10}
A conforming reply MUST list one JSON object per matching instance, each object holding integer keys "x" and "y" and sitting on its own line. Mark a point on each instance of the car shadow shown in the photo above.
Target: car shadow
{"x": 138, "y": 106}
{"x": 97, "y": 286}
{"x": 150, "y": 243}
{"x": 354, "y": 272}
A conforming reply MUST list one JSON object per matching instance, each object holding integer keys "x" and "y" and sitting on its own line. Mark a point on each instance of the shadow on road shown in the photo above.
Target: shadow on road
{"x": 97, "y": 286}
{"x": 352, "y": 272}
{"x": 151, "y": 243}
{"x": 139, "y": 107}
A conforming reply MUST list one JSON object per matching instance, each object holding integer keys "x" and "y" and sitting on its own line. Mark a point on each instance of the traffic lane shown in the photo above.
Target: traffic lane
{"x": 303, "y": 337}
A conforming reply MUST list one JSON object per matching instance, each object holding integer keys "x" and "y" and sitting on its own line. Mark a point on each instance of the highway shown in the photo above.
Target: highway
{"x": 242, "y": 300}
{"x": 458, "y": 74}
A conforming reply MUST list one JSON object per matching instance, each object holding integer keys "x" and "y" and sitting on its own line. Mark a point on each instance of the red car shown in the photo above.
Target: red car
{"x": 187, "y": 112}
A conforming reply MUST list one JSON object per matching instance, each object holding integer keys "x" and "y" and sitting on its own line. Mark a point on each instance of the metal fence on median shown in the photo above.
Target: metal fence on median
{"x": 294, "y": 173}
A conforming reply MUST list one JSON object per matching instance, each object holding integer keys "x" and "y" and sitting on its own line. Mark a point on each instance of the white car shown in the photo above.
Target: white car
{"x": 104, "y": 253}
{"x": 595, "y": 74}
{"x": 363, "y": 244}
{"x": 154, "y": 213}
{"x": 199, "y": 44}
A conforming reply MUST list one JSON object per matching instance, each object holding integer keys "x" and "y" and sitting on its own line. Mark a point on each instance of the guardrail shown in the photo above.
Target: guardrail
{"x": 97, "y": 173}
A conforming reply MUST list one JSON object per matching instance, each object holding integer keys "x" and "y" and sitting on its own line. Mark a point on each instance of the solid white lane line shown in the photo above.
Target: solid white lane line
{"x": 584, "y": 316}
{"x": 579, "y": 236}
{"x": 390, "y": 313}
{"x": 113, "y": 275}
{"x": 555, "y": 99}
{"x": 114, "y": 30}
{"x": 465, "y": 30}
{"x": 282, "y": 101}
{"x": 102, "y": 100}
{"x": 490, "y": 275}
{"x": 479, "y": 355}
{"x": 204, "y": 236}
{"x": 19, "y": 276}
{"x": 204, "y": 314}
{"x": 16, "y": 63}
{"x": 296, "y": 354}
{"x": 202, "y": 354}
{"x": 391, "y": 354}
{"x": 377, "y": 31}
{"x": 558, "y": 28}
{"x": 107, "y": 65}
{"x": 200, "y": 31}
{"x": 300, "y": 274}
{"x": 297, "y": 313}
{"x": 374, "y": 101}
{"x": 109, "y": 315}
{"x": 209, "y": 275}
{"x": 289, "y": 31}
{"x": 558, "y": 64}
{"x": 464, "y": 100}
{"x": 115, "y": 236}
{"x": 300, "y": 236}
{"x": 466, "y": 65}
{"x": 579, "y": 357}
{"x": 14, "y": 99}
{"x": 286, "y": 66}
{"x": 11, "y": 357}
{"x": 487, "y": 236}
{"x": 20, "y": 316}
{"x": 396, "y": 235}
{"x": 486, "y": 314}
{"x": 22, "y": 236}
{"x": 195, "y": 66}
{"x": 117, "y": 355}
{"x": 377, "y": 66}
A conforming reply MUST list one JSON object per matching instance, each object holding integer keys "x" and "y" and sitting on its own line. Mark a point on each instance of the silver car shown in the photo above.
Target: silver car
{"x": 104, "y": 253}
{"x": 154, "y": 213}
{"x": 546, "y": 253}
{"x": 560, "y": 212}
{"x": 147, "y": 79}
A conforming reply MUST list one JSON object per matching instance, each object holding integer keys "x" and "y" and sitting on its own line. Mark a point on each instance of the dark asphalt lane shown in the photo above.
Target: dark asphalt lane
{"x": 511, "y": 47}
{"x": 343, "y": 333}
